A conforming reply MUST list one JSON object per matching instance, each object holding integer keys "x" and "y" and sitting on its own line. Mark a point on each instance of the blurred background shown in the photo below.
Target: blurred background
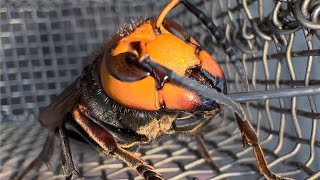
{"x": 44, "y": 46}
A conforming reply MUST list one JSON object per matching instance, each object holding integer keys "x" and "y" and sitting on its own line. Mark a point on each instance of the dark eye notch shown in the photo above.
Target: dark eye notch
{"x": 126, "y": 66}
{"x": 175, "y": 29}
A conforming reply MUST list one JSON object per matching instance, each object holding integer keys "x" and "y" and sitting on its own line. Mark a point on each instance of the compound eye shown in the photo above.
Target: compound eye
{"x": 175, "y": 29}
{"x": 125, "y": 67}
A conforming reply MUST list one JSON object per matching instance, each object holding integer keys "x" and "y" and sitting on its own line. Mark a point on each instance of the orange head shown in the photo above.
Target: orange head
{"x": 165, "y": 42}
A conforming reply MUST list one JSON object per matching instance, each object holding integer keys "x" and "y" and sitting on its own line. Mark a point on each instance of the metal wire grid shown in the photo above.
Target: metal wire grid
{"x": 44, "y": 46}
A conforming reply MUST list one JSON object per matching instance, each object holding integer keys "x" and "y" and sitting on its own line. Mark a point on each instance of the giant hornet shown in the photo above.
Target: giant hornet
{"x": 135, "y": 91}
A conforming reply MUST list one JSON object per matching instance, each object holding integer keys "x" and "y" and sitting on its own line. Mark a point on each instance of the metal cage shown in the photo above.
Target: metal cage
{"x": 45, "y": 45}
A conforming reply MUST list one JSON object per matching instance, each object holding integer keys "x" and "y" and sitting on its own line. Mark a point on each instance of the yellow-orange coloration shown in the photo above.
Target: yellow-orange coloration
{"x": 179, "y": 98}
{"x": 167, "y": 50}
{"x": 210, "y": 65}
{"x": 173, "y": 53}
{"x": 140, "y": 95}
{"x": 143, "y": 33}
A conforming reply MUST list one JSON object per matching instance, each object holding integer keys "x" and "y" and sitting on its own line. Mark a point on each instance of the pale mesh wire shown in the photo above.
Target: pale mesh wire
{"x": 45, "y": 44}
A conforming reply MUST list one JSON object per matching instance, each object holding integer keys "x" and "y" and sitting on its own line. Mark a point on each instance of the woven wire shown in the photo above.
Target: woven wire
{"x": 45, "y": 45}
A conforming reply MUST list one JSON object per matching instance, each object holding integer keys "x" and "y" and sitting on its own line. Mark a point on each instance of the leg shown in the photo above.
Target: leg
{"x": 250, "y": 137}
{"x": 248, "y": 133}
{"x": 205, "y": 153}
{"x": 44, "y": 157}
{"x": 104, "y": 141}
{"x": 66, "y": 157}
{"x": 192, "y": 126}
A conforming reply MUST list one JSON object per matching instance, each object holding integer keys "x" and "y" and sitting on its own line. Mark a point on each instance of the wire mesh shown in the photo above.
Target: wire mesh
{"x": 45, "y": 44}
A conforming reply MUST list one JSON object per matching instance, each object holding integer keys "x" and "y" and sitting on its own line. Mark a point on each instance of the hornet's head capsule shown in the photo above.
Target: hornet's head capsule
{"x": 166, "y": 43}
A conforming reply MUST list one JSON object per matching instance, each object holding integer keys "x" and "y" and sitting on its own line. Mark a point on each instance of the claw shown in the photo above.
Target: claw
{"x": 244, "y": 141}
{"x": 48, "y": 164}
{"x": 149, "y": 172}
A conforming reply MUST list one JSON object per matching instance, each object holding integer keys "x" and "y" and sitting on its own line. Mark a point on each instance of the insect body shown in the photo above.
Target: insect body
{"x": 137, "y": 90}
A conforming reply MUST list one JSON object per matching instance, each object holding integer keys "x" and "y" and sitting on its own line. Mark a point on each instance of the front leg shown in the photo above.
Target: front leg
{"x": 250, "y": 137}
{"x": 105, "y": 142}
{"x": 205, "y": 153}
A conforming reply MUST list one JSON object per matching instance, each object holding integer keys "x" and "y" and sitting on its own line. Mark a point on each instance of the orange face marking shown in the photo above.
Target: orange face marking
{"x": 140, "y": 95}
{"x": 143, "y": 33}
{"x": 167, "y": 50}
{"x": 172, "y": 53}
{"x": 179, "y": 98}
{"x": 210, "y": 65}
